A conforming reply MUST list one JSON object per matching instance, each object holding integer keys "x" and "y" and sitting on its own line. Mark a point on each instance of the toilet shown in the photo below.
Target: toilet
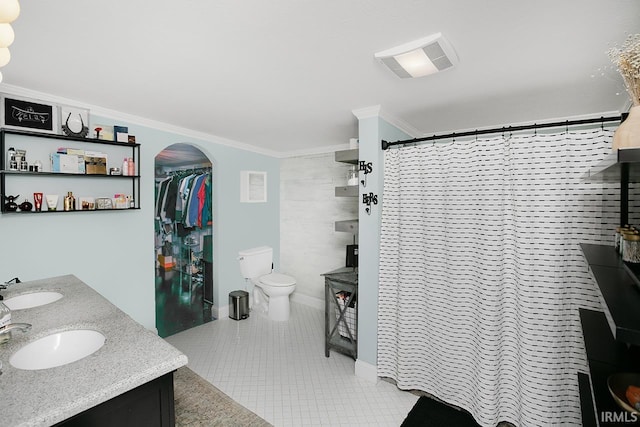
{"x": 256, "y": 264}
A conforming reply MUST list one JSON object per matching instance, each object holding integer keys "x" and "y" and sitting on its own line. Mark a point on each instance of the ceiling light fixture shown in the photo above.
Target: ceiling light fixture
{"x": 419, "y": 58}
{"x": 9, "y": 12}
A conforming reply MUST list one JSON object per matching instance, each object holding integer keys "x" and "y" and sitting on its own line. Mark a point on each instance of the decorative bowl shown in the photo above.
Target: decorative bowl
{"x": 618, "y": 384}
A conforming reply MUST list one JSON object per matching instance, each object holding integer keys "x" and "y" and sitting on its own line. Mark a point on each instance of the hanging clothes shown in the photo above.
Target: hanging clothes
{"x": 185, "y": 198}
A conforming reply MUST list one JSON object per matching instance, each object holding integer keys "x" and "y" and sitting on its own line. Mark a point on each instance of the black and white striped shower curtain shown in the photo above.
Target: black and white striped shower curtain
{"x": 481, "y": 274}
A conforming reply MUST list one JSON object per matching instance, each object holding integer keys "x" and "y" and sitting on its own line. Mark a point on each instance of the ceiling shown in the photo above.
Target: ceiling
{"x": 286, "y": 75}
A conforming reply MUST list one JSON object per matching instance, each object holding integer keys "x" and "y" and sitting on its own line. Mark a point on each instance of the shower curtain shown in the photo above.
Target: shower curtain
{"x": 481, "y": 273}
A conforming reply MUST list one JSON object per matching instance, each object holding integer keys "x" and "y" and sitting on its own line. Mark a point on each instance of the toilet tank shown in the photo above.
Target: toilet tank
{"x": 255, "y": 262}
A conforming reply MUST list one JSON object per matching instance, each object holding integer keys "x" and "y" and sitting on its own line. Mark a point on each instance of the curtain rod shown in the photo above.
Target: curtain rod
{"x": 386, "y": 144}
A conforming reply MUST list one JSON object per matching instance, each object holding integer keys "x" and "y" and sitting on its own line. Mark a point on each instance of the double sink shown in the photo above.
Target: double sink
{"x": 56, "y": 349}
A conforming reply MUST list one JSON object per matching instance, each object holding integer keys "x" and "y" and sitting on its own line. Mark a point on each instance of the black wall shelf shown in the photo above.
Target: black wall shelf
{"x": 133, "y": 150}
{"x": 619, "y": 289}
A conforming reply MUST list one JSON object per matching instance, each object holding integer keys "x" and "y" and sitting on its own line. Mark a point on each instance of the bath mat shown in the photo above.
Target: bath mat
{"x": 431, "y": 413}
{"x": 200, "y": 404}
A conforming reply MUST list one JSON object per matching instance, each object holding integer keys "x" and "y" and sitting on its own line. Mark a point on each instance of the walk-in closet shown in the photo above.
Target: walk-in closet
{"x": 183, "y": 239}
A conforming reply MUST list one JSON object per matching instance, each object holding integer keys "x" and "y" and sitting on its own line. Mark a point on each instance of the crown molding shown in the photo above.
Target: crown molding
{"x": 312, "y": 151}
{"x": 378, "y": 111}
{"x": 118, "y": 115}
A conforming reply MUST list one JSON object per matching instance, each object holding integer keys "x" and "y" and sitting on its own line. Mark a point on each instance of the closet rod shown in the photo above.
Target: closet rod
{"x": 386, "y": 144}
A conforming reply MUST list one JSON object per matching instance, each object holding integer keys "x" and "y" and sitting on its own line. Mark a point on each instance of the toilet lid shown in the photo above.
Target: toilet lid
{"x": 277, "y": 279}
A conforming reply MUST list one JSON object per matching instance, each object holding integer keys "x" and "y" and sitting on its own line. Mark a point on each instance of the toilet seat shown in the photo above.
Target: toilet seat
{"x": 277, "y": 279}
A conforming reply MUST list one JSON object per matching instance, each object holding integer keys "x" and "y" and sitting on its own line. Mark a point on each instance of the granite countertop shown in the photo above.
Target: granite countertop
{"x": 130, "y": 357}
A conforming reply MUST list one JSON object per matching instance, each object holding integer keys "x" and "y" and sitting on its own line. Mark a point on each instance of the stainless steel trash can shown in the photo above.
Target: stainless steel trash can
{"x": 238, "y": 305}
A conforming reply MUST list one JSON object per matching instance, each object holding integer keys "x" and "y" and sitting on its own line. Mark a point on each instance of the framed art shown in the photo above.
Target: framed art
{"x": 253, "y": 187}
{"x": 74, "y": 121}
{"x": 28, "y": 114}
{"x": 104, "y": 132}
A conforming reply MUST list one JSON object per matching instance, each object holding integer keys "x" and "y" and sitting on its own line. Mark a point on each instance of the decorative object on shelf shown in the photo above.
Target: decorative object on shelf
{"x": 368, "y": 199}
{"x": 103, "y": 132}
{"x": 37, "y": 200}
{"x": 631, "y": 248}
{"x": 74, "y": 121}
{"x": 352, "y": 176}
{"x": 367, "y": 168}
{"x": 87, "y": 203}
{"x": 28, "y": 114}
{"x": 52, "y": 202}
{"x": 69, "y": 202}
{"x": 25, "y": 206}
{"x": 104, "y": 203}
{"x": 121, "y": 133}
{"x": 11, "y": 205}
{"x": 624, "y": 386}
{"x": 627, "y": 61}
{"x": 628, "y": 133}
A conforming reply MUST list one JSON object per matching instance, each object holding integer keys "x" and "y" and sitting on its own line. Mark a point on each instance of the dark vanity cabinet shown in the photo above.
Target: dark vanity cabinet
{"x": 151, "y": 404}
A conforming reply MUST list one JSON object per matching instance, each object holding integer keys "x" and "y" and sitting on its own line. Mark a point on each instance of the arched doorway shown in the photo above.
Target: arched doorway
{"x": 183, "y": 227}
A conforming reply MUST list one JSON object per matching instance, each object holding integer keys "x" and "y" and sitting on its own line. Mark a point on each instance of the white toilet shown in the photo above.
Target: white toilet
{"x": 256, "y": 264}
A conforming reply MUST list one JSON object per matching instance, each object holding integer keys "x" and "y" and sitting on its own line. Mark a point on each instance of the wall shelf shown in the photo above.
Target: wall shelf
{"x": 347, "y": 156}
{"x": 611, "y": 168}
{"x": 25, "y": 182}
{"x": 619, "y": 291}
{"x": 347, "y": 226}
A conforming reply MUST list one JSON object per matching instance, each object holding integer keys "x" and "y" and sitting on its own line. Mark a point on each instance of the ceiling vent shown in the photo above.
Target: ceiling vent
{"x": 419, "y": 58}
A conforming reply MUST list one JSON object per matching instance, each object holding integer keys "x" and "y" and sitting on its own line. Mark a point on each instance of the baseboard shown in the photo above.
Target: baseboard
{"x": 307, "y": 300}
{"x": 220, "y": 312}
{"x": 366, "y": 371}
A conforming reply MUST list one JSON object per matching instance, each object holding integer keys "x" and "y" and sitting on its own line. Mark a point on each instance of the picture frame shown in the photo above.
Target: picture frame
{"x": 74, "y": 121}
{"x": 253, "y": 187}
{"x": 28, "y": 114}
{"x": 106, "y": 132}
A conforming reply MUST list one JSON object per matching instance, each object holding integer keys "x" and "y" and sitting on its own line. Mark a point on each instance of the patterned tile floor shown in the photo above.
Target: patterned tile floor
{"x": 279, "y": 371}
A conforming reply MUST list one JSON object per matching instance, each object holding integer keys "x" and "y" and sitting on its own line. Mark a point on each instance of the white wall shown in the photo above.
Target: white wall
{"x": 309, "y": 246}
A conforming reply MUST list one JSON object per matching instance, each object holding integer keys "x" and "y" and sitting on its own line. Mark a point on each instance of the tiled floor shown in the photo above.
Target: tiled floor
{"x": 279, "y": 371}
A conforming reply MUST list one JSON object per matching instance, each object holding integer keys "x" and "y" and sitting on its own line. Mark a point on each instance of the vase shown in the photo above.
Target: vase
{"x": 628, "y": 133}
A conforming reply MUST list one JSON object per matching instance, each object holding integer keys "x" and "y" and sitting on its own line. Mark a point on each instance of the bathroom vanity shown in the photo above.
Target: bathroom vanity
{"x": 126, "y": 381}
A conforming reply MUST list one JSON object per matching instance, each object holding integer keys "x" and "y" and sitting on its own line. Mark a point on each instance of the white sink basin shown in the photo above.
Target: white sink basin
{"x": 57, "y": 349}
{"x": 34, "y": 299}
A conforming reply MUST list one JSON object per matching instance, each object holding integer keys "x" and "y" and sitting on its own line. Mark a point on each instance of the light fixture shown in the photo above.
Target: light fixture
{"x": 6, "y": 35}
{"x": 9, "y": 11}
{"x": 419, "y": 58}
{"x": 5, "y": 56}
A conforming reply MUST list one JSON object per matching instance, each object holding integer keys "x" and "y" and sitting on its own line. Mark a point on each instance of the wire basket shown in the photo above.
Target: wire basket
{"x": 349, "y": 316}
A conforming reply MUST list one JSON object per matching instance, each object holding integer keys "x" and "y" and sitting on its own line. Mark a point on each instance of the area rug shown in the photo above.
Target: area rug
{"x": 200, "y": 404}
{"x": 428, "y": 412}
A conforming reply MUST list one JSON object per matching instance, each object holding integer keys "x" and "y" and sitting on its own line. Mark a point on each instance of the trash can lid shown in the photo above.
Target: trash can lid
{"x": 237, "y": 294}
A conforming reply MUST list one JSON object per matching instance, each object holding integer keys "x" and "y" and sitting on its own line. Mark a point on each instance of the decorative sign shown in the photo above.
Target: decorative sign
{"x": 26, "y": 114}
{"x": 369, "y": 199}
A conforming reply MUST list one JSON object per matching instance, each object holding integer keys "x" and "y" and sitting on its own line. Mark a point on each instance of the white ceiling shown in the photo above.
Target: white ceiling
{"x": 285, "y": 75}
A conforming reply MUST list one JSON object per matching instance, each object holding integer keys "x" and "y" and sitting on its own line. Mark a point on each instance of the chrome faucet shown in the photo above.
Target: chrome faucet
{"x": 5, "y": 331}
{"x": 15, "y": 280}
